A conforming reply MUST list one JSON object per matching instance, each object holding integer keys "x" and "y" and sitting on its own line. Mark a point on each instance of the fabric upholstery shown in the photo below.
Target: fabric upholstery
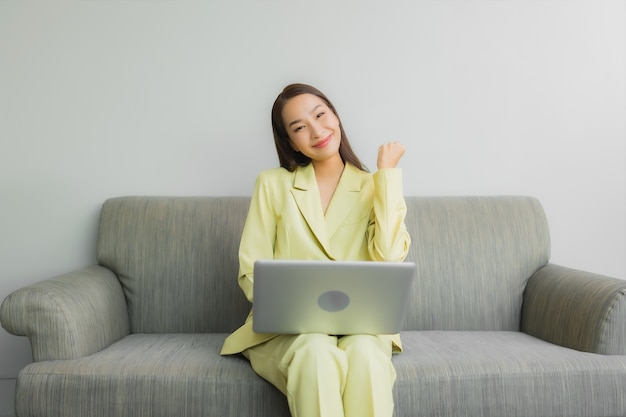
{"x": 70, "y": 316}
{"x": 499, "y": 374}
{"x": 577, "y": 309}
{"x": 441, "y": 373}
{"x": 474, "y": 256}
{"x": 149, "y": 375}
{"x": 176, "y": 258}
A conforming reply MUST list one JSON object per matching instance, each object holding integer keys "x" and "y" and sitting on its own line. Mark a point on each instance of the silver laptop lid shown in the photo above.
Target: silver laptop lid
{"x": 331, "y": 297}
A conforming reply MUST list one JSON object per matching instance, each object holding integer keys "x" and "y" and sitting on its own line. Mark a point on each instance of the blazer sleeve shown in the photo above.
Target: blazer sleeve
{"x": 387, "y": 235}
{"x": 258, "y": 236}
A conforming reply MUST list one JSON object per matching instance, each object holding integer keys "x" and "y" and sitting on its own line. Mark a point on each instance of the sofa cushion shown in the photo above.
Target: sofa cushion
{"x": 176, "y": 258}
{"x": 474, "y": 256}
{"x": 469, "y": 374}
{"x": 440, "y": 373}
{"x": 149, "y": 375}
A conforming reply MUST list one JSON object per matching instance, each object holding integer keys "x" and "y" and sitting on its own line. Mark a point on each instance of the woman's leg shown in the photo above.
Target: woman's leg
{"x": 371, "y": 375}
{"x": 309, "y": 369}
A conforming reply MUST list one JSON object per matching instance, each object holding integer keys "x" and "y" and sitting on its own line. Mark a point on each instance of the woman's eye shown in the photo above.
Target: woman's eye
{"x": 299, "y": 128}
{"x": 320, "y": 114}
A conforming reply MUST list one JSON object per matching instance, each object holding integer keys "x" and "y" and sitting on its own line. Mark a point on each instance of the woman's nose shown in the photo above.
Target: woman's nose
{"x": 316, "y": 130}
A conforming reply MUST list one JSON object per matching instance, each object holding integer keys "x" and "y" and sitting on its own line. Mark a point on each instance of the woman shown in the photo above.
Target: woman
{"x": 322, "y": 204}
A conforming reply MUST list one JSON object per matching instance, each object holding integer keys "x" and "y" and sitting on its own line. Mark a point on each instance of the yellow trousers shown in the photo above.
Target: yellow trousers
{"x": 329, "y": 376}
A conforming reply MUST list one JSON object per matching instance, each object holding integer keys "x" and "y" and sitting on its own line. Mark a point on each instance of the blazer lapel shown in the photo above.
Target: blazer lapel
{"x": 307, "y": 197}
{"x": 346, "y": 196}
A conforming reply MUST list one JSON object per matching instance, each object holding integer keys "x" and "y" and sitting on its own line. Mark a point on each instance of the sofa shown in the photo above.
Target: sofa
{"x": 493, "y": 328}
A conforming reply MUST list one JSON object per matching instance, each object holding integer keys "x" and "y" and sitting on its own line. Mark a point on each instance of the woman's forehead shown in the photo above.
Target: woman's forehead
{"x": 302, "y": 105}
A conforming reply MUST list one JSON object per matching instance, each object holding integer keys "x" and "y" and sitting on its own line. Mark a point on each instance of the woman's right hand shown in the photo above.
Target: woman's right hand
{"x": 389, "y": 155}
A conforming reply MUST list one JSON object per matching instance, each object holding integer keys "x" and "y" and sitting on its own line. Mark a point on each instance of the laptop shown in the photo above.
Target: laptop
{"x": 331, "y": 297}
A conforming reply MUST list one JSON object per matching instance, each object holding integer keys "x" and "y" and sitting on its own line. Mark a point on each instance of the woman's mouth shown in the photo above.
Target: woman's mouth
{"x": 323, "y": 142}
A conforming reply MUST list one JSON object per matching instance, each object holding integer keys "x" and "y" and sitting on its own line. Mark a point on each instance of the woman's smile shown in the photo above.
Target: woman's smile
{"x": 322, "y": 143}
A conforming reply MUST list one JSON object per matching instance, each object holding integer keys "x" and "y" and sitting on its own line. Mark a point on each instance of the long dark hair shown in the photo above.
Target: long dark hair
{"x": 289, "y": 158}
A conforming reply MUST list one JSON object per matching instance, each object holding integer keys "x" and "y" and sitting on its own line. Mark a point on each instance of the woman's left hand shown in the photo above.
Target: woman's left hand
{"x": 389, "y": 154}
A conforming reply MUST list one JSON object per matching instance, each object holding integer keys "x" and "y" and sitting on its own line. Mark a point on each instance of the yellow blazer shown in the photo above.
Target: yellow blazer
{"x": 364, "y": 221}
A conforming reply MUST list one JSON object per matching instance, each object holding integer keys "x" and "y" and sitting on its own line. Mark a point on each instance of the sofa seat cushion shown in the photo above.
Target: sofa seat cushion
{"x": 149, "y": 375}
{"x": 439, "y": 373}
{"x": 448, "y": 373}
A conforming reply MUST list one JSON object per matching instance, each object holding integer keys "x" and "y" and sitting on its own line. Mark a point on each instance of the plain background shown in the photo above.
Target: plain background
{"x": 491, "y": 97}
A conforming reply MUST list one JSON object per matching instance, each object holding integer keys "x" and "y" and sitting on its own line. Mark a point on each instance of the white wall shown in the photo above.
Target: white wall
{"x": 109, "y": 98}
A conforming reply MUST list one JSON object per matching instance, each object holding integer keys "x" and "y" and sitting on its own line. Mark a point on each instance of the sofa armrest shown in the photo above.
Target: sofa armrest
{"x": 576, "y": 309}
{"x": 70, "y": 316}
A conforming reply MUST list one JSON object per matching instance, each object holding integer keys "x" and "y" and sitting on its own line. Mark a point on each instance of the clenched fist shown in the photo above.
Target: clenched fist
{"x": 389, "y": 154}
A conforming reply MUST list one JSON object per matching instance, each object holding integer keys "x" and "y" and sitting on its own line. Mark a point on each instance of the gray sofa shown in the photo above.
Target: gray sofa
{"x": 493, "y": 328}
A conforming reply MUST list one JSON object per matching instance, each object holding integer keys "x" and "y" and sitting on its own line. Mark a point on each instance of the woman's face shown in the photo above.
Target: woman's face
{"x": 313, "y": 128}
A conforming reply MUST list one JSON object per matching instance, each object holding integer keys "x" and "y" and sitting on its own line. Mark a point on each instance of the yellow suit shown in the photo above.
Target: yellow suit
{"x": 364, "y": 221}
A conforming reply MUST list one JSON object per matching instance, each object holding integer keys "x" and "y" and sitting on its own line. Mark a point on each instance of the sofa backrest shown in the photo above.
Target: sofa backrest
{"x": 474, "y": 257}
{"x": 176, "y": 258}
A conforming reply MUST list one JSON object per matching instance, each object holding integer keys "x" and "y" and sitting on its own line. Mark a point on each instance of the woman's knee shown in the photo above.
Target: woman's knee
{"x": 369, "y": 358}
{"x": 365, "y": 344}
{"x": 313, "y": 347}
